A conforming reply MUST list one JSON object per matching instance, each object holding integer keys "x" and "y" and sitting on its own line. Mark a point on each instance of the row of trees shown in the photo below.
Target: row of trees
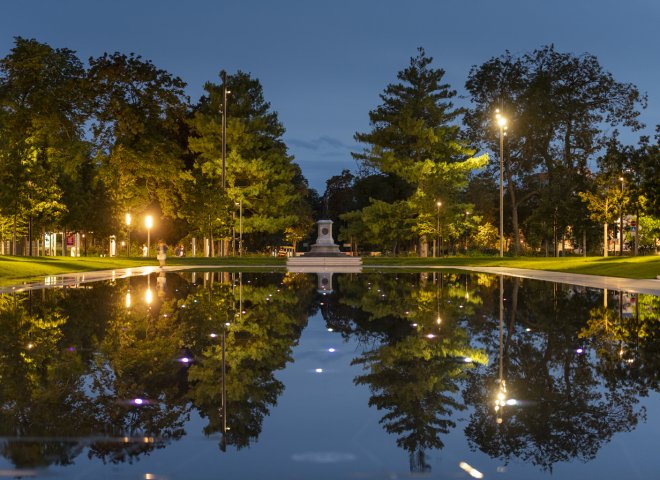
{"x": 81, "y": 145}
{"x": 565, "y": 170}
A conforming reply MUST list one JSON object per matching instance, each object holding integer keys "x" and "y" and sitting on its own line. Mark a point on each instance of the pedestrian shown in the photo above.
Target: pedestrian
{"x": 161, "y": 253}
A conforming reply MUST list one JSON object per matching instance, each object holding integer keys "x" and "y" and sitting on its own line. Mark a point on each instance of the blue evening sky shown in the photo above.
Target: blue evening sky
{"x": 323, "y": 63}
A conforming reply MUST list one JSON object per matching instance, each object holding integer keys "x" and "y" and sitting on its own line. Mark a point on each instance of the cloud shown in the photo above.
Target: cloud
{"x": 323, "y": 143}
{"x": 323, "y": 457}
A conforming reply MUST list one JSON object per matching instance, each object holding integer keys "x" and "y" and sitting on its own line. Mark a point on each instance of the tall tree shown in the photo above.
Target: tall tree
{"x": 416, "y": 140}
{"x": 558, "y": 106}
{"x": 259, "y": 171}
{"x": 42, "y": 112}
{"x": 138, "y": 124}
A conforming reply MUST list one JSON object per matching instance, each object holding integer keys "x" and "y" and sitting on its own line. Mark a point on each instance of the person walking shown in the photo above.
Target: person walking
{"x": 161, "y": 253}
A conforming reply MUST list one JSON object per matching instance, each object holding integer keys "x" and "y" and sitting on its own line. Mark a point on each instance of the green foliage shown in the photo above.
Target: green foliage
{"x": 559, "y": 107}
{"x": 137, "y": 125}
{"x": 259, "y": 172}
{"x": 415, "y": 139}
{"x": 41, "y": 126}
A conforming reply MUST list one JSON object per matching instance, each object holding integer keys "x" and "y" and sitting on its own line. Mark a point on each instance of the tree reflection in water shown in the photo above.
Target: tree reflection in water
{"x": 74, "y": 360}
{"x": 568, "y": 408}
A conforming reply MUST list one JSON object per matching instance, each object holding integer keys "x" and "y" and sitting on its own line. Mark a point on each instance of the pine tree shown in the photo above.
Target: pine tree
{"x": 416, "y": 144}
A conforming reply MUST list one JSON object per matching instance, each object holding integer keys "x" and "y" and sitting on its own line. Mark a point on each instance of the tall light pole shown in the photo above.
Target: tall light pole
{"x": 437, "y": 228}
{"x": 240, "y": 227}
{"x": 128, "y": 230}
{"x": 501, "y": 122}
{"x": 148, "y": 222}
{"x": 621, "y": 219}
{"x": 225, "y": 91}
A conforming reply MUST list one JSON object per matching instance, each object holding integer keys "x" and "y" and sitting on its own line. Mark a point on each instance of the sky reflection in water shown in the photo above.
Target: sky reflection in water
{"x": 261, "y": 375}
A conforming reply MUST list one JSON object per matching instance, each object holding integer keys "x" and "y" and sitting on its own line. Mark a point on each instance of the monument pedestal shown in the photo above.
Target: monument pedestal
{"x": 325, "y": 252}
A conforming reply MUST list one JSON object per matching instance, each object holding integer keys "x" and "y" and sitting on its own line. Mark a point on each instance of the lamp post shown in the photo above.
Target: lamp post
{"x": 148, "y": 222}
{"x": 621, "y": 179}
{"x": 240, "y": 227}
{"x": 501, "y": 122}
{"x": 225, "y": 92}
{"x": 467, "y": 230}
{"x": 128, "y": 230}
{"x": 437, "y": 228}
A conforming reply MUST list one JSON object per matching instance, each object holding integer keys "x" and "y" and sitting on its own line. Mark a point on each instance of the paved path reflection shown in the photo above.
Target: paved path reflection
{"x": 648, "y": 286}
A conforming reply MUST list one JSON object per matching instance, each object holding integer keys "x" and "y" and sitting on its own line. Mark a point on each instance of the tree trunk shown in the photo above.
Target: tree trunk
{"x": 514, "y": 211}
{"x": 13, "y": 242}
{"x": 605, "y": 243}
{"x": 636, "y": 231}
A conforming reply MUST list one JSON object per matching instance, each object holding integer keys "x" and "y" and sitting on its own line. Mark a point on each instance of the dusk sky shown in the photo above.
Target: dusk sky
{"x": 323, "y": 64}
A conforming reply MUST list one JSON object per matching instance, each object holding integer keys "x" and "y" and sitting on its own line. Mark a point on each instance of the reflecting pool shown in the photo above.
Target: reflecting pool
{"x": 253, "y": 375}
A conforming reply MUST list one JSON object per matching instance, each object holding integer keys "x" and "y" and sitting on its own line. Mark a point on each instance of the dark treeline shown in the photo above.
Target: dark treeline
{"x": 84, "y": 144}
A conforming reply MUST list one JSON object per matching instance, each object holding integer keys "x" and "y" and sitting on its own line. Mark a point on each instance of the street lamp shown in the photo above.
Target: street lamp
{"x": 128, "y": 229}
{"x": 621, "y": 219}
{"x": 437, "y": 228}
{"x": 240, "y": 227}
{"x": 467, "y": 230}
{"x": 501, "y": 122}
{"x": 225, "y": 92}
{"x": 148, "y": 222}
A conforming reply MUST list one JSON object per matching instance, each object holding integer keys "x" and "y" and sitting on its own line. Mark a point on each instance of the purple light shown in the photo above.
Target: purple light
{"x": 137, "y": 401}
{"x": 579, "y": 350}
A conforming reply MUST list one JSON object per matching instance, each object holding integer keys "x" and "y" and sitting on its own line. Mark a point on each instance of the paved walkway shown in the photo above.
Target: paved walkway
{"x": 647, "y": 286}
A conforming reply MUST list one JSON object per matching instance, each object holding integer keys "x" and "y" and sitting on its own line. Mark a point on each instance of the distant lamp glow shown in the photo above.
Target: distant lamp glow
{"x": 148, "y": 296}
{"x": 128, "y": 299}
{"x": 319, "y": 370}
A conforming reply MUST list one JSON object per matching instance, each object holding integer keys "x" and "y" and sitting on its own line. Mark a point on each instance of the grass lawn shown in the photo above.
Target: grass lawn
{"x": 626, "y": 267}
{"x": 15, "y": 270}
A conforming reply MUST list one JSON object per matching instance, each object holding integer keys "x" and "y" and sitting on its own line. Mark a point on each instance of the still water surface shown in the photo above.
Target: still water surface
{"x": 294, "y": 376}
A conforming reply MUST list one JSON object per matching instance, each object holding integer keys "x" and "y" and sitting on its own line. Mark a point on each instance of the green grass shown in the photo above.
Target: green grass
{"x": 626, "y": 267}
{"x": 15, "y": 270}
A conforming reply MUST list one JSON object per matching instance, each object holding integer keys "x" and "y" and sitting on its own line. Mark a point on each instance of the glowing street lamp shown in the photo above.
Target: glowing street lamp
{"x": 622, "y": 180}
{"x": 148, "y": 222}
{"x": 437, "y": 228}
{"x": 501, "y": 122}
{"x": 128, "y": 229}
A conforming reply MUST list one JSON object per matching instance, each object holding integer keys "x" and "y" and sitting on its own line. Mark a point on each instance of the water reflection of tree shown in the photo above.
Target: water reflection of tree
{"x": 416, "y": 353}
{"x": 74, "y": 359}
{"x": 258, "y": 341}
{"x": 568, "y": 410}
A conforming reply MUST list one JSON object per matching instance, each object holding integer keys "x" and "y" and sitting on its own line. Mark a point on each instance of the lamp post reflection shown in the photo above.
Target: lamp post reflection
{"x": 501, "y": 399}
